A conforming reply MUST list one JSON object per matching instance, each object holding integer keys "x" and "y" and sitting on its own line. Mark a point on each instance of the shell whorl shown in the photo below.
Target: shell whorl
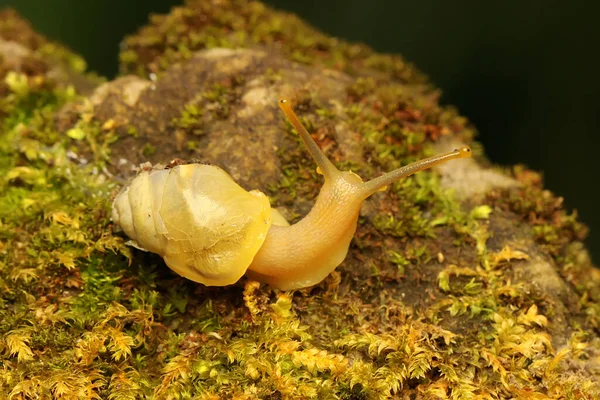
{"x": 205, "y": 226}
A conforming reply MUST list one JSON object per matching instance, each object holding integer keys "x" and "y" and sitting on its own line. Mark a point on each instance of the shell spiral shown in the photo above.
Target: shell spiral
{"x": 205, "y": 226}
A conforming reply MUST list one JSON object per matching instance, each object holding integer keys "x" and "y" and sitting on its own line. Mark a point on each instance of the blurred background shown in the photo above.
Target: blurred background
{"x": 525, "y": 72}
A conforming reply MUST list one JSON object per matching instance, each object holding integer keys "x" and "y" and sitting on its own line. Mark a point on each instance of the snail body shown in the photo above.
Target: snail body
{"x": 210, "y": 230}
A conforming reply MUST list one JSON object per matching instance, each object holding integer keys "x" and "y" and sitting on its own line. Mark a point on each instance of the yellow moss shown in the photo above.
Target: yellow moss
{"x": 17, "y": 344}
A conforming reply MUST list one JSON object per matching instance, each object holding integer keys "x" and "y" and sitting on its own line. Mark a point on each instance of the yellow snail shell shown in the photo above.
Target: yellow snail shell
{"x": 205, "y": 226}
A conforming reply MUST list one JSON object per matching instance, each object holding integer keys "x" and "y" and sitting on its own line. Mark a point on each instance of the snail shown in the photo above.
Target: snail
{"x": 210, "y": 230}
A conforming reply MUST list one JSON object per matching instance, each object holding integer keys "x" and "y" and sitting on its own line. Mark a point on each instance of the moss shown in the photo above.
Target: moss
{"x": 190, "y": 119}
{"x": 171, "y": 38}
{"x": 425, "y": 306}
{"x": 35, "y": 57}
{"x": 148, "y": 150}
{"x": 553, "y": 226}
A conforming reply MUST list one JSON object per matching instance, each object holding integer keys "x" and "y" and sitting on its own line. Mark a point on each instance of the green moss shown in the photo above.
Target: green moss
{"x": 171, "y": 38}
{"x": 553, "y": 226}
{"x": 133, "y": 131}
{"x": 221, "y": 95}
{"x": 190, "y": 119}
{"x": 58, "y": 53}
{"x": 148, "y": 150}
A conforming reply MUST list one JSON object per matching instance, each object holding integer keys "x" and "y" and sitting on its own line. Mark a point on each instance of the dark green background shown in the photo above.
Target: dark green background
{"x": 525, "y": 72}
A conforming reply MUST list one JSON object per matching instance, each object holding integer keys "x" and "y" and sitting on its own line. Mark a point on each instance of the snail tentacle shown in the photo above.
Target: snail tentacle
{"x": 376, "y": 184}
{"x": 326, "y": 167}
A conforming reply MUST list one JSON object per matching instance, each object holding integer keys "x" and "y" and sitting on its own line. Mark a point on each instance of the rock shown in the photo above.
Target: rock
{"x": 464, "y": 282}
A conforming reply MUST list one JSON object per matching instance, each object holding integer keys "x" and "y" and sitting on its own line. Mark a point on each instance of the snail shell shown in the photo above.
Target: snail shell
{"x": 205, "y": 226}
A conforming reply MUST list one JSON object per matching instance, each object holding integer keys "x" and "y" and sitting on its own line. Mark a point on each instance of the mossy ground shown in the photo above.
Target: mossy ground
{"x": 428, "y": 304}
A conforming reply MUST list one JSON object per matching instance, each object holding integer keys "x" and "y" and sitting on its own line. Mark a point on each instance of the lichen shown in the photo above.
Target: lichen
{"x": 428, "y": 304}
